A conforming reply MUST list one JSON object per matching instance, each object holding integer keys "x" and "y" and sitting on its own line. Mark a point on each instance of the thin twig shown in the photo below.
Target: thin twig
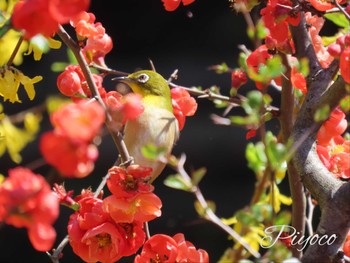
{"x": 208, "y": 212}
{"x": 14, "y": 53}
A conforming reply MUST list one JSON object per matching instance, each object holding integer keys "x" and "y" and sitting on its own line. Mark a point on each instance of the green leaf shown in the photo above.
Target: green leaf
{"x": 255, "y": 155}
{"x": 253, "y": 102}
{"x": 246, "y": 217}
{"x": 276, "y": 152}
{"x": 198, "y": 175}
{"x": 152, "y": 152}
{"x": 176, "y": 181}
{"x": 345, "y": 103}
{"x": 262, "y": 211}
{"x": 338, "y": 18}
{"x": 58, "y": 66}
{"x": 283, "y": 218}
{"x": 322, "y": 113}
{"x": 272, "y": 69}
{"x": 242, "y": 61}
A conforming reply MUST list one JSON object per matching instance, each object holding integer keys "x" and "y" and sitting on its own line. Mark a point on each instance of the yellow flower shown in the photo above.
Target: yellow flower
{"x": 39, "y": 45}
{"x": 7, "y": 45}
{"x": 14, "y": 139}
{"x": 10, "y": 80}
{"x": 276, "y": 199}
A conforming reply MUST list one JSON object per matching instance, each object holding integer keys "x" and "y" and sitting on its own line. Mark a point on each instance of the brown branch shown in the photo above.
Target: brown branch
{"x": 295, "y": 184}
{"x": 331, "y": 194}
{"x": 116, "y": 135}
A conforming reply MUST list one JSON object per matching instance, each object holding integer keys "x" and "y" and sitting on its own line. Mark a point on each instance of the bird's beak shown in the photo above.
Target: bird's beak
{"x": 124, "y": 84}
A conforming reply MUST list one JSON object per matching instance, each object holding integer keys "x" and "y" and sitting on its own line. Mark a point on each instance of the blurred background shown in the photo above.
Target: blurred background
{"x": 190, "y": 39}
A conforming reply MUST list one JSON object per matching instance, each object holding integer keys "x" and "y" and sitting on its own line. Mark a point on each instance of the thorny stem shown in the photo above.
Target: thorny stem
{"x": 208, "y": 212}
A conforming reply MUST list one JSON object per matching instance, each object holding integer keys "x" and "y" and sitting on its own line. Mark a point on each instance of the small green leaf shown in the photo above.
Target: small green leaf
{"x": 152, "y": 152}
{"x": 198, "y": 175}
{"x": 345, "y": 103}
{"x": 262, "y": 211}
{"x": 177, "y": 182}
{"x": 58, "y": 66}
{"x": 220, "y": 69}
{"x": 283, "y": 218}
{"x": 322, "y": 113}
{"x": 255, "y": 155}
{"x": 75, "y": 206}
{"x": 338, "y": 18}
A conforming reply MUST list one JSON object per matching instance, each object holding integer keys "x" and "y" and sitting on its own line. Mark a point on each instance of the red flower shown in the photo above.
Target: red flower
{"x": 238, "y": 78}
{"x": 85, "y": 27}
{"x": 332, "y": 148}
{"x": 130, "y": 181}
{"x": 63, "y": 10}
{"x": 345, "y": 64}
{"x": 26, "y": 200}
{"x": 298, "y": 80}
{"x": 33, "y": 17}
{"x": 255, "y": 59}
{"x": 69, "y": 158}
{"x": 142, "y": 207}
{"x": 334, "y": 126}
{"x": 323, "y": 5}
{"x": 97, "y": 48}
{"x": 162, "y": 248}
{"x": 94, "y": 236}
{"x": 79, "y": 121}
{"x": 44, "y": 16}
{"x": 124, "y": 108}
{"x": 183, "y": 105}
{"x": 171, "y": 5}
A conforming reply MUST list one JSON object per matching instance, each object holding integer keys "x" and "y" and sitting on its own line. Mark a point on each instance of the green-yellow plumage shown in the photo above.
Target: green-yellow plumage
{"x": 157, "y": 125}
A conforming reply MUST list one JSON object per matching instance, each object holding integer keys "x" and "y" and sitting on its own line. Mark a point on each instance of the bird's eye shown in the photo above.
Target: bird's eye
{"x": 143, "y": 78}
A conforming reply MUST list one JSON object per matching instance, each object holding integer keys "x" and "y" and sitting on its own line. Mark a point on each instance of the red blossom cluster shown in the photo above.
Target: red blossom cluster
{"x": 45, "y": 16}
{"x": 172, "y": 5}
{"x": 341, "y": 50}
{"x": 163, "y": 248}
{"x": 69, "y": 146}
{"x": 257, "y": 58}
{"x": 108, "y": 229}
{"x": 97, "y": 43}
{"x": 183, "y": 105}
{"x": 332, "y": 148}
{"x": 26, "y": 200}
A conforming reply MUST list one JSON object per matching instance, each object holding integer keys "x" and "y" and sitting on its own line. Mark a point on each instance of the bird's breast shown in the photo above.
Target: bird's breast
{"x": 155, "y": 126}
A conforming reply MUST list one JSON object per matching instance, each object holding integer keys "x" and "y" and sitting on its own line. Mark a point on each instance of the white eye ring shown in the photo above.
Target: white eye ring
{"x": 143, "y": 78}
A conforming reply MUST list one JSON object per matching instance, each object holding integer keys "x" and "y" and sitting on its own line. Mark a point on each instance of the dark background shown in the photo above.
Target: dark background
{"x": 190, "y": 39}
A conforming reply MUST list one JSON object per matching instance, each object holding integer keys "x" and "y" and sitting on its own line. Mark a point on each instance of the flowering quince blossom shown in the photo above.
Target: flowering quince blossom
{"x": 96, "y": 237}
{"x": 26, "y": 200}
{"x": 324, "y": 5}
{"x": 68, "y": 148}
{"x": 346, "y": 246}
{"x": 123, "y": 108}
{"x": 79, "y": 121}
{"x": 332, "y": 148}
{"x": 163, "y": 248}
{"x": 255, "y": 59}
{"x": 132, "y": 198}
{"x": 172, "y": 5}
{"x": 316, "y": 24}
{"x": 44, "y": 16}
{"x": 183, "y": 105}
{"x": 276, "y": 17}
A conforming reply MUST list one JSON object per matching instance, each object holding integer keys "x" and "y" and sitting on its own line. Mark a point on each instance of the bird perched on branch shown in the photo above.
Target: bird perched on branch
{"x": 157, "y": 124}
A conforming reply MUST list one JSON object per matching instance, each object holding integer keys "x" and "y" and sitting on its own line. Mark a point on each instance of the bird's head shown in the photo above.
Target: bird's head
{"x": 146, "y": 82}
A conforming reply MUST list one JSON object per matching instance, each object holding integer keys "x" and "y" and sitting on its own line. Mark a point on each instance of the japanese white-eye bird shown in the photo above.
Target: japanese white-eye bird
{"x": 157, "y": 124}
